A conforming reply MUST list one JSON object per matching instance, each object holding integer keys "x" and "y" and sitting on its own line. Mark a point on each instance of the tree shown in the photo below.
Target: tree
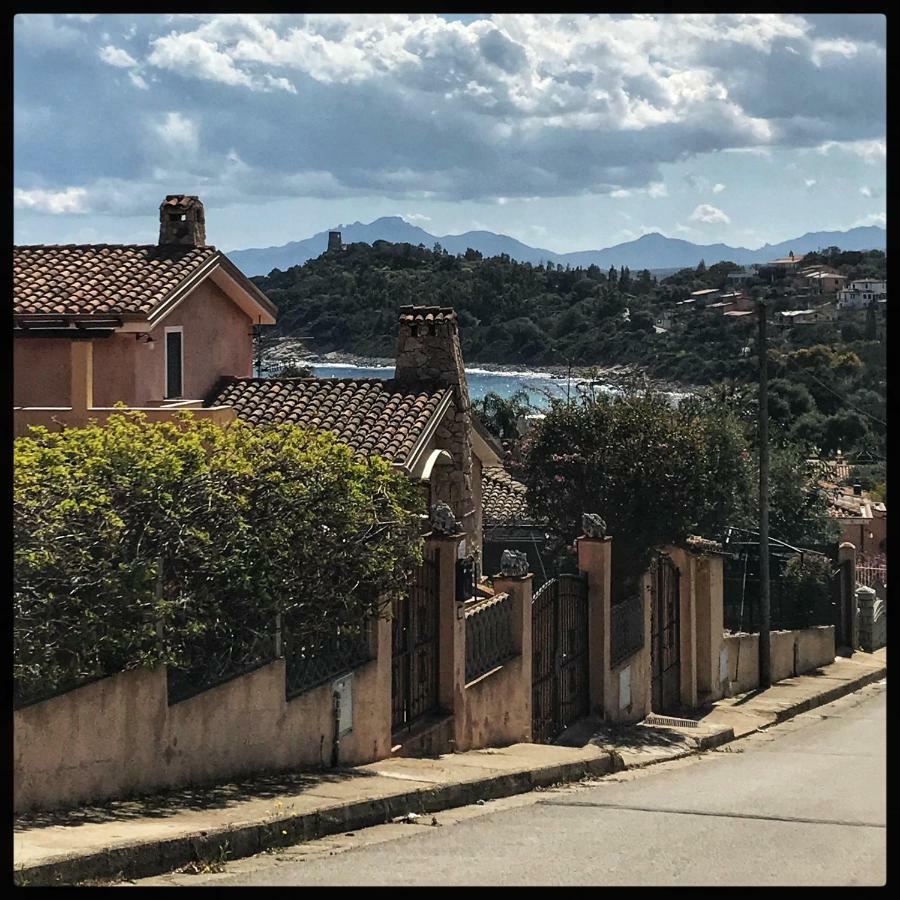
{"x": 612, "y": 276}
{"x": 653, "y": 472}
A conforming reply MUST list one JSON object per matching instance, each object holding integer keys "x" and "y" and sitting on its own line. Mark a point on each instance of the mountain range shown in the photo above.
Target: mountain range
{"x": 650, "y": 251}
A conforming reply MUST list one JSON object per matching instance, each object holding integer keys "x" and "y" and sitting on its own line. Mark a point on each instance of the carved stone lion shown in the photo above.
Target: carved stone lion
{"x": 593, "y": 526}
{"x": 442, "y": 519}
{"x": 513, "y": 563}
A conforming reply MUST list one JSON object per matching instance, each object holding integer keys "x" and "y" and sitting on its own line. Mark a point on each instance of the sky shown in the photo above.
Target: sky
{"x": 568, "y": 132}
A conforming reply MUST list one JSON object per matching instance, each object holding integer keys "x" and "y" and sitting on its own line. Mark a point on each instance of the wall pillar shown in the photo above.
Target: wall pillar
{"x": 710, "y": 629}
{"x": 594, "y": 560}
{"x": 82, "y": 374}
{"x": 451, "y": 624}
{"x": 847, "y": 628}
{"x": 519, "y": 589}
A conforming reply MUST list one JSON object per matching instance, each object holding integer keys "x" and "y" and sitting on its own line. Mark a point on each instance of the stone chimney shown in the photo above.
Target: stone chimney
{"x": 181, "y": 221}
{"x": 334, "y": 242}
{"x": 429, "y": 356}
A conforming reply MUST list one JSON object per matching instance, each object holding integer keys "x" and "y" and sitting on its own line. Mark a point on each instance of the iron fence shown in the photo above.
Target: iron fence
{"x": 626, "y": 625}
{"x": 741, "y": 596}
{"x": 313, "y": 659}
{"x": 489, "y": 638}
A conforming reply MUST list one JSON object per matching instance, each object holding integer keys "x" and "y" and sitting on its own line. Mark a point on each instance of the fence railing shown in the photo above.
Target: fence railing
{"x": 626, "y": 628}
{"x": 311, "y": 660}
{"x": 741, "y": 597}
{"x": 489, "y": 636}
{"x": 872, "y": 576}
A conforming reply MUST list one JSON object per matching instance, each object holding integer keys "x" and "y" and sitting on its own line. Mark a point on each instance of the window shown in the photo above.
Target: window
{"x": 174, "y": 362}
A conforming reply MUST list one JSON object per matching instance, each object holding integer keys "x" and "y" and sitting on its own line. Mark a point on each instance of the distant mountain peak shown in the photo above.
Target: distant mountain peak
{"x": 650, "y": 251}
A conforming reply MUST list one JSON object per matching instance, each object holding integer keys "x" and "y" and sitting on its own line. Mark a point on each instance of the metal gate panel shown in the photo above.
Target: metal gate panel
{"x": 560, "y": 689}
{"x": 414, "y": 645}
{"x": 665, "y": 641}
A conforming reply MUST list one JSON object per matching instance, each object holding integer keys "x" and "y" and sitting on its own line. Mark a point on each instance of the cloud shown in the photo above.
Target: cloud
{"x": 709, "y": 215}
{"x": 416, "y": 217}
{"x": 115, "y": 56}
{"x": 877, "y": 218}
{"x": 418, "y": 106}
{"x": 718, "y": 188}
{"x": 71, "y": 200}
{"x": 870, "y": 151}
{"x": 809, "y": 182}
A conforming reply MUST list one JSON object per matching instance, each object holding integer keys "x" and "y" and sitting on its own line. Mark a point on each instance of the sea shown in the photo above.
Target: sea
{"x": 538, "y": 386}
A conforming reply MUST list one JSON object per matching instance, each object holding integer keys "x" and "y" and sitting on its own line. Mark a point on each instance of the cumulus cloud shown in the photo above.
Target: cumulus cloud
{"x": 417, "y": 106}
{"x": 809, "y": 182}
{"x": 115, "y": 56}
{"x": 709, "y": 215}
{"x": 70, "y": 200}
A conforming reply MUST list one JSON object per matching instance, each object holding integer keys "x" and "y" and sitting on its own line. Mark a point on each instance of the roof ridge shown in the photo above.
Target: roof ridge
{"x": 211, "y": 247}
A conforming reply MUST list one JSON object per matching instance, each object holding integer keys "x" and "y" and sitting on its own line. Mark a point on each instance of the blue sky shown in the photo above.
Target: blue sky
{"x": 568, "y": 132}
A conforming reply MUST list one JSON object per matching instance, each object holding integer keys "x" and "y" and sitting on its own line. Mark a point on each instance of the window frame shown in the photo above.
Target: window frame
{"x": 173, "y": 329}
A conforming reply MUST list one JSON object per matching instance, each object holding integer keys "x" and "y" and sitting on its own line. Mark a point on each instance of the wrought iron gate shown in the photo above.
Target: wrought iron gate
{"x": 559, "y": 623}
{"x": 665, "y": 644}
{"x": 414, "y": 642}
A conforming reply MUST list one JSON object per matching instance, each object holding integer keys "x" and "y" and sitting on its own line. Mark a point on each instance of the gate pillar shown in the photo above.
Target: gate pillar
{"x": 594, "y": 560}
{"x": 451, "y": 624}
{"x": 519, "y": 589}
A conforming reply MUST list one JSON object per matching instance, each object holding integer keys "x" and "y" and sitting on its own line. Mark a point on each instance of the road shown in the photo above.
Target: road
{"x": 803, "y": 803}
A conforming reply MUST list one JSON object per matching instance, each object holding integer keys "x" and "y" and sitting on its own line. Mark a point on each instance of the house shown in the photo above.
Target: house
{"x": 863, "y": 521}
{"x": 860, "y": 294}
{"x": 743, "y": 275}
{"x": 738, "y": 300}
{"x": 151, "y": 326}
{"x": 824, "y": 313}
{"x": 420, "y": 420}
{"x": 787, "y": 263}
{"x": 821, "y": 282}
{"x": 705, "y": 294}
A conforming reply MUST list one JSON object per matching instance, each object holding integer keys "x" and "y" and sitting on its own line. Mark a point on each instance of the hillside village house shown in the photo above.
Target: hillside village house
{"x": 860, "y": 294}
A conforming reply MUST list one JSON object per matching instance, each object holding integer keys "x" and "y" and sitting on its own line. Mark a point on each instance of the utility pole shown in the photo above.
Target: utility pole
{"x": 765, "y": 655}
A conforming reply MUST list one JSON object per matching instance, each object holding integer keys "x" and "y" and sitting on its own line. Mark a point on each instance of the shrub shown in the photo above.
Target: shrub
{"x": 208, "y": 531}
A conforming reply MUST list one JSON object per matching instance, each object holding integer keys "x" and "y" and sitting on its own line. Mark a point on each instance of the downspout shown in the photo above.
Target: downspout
{"x": 336, "y": 742}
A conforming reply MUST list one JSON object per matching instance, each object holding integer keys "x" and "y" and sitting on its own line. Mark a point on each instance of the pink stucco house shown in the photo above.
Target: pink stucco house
{"x": 152, "y": 326}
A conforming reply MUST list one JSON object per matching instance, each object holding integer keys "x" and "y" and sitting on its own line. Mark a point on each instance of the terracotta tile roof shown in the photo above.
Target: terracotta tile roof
{"x": 374, "y": 416}
{"x": 99, "y": 279}
{"x": 503, "y": 498}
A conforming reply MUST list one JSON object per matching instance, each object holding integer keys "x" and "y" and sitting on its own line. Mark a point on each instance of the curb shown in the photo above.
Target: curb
{"x": 159, "y": 857}
{"x": 145, "y": 859}
{"x": 830, "y": 695}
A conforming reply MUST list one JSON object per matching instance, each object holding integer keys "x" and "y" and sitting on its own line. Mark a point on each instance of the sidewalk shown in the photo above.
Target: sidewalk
{"x": 158, "y": 834}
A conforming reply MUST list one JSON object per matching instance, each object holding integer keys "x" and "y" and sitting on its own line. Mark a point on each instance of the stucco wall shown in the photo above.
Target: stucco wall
{"x": 118, "y": 736}
{"x": 497, "y": 709}
{"x": 116, "y": 360}
{"x": 216, "y": 341}
{"x": 41, "y": 372}
{"x": 792, "y": 653}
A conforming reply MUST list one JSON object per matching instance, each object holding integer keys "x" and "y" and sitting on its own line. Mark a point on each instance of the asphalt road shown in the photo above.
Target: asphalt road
{"x": 803, "y": 803}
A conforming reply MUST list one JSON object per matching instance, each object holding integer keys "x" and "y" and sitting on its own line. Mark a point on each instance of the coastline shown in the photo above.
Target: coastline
{"x": 291, "y": 350}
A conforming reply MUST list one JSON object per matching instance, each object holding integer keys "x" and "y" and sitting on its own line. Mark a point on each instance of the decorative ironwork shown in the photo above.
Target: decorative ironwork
{"x": 560, "y": 690}
{"x": 312, "y": 660}
{"x": 626, "y": 628}
{"x": 665, "y": 639}
{"x": 414, "y": 645}
{"x": 219, "y": 655}
{"x": 489, "y": 638}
